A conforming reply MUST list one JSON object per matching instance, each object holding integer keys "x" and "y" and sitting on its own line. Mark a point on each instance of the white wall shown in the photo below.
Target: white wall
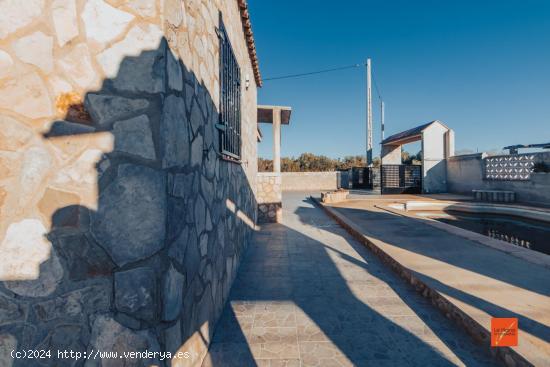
{"x": 391, "y": 154}
{"x": 465, "y": 173}
{"x": 434, "y": 146}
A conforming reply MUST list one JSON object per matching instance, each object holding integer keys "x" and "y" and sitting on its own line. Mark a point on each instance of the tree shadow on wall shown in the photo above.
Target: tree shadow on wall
{"x": 150, "y": 265}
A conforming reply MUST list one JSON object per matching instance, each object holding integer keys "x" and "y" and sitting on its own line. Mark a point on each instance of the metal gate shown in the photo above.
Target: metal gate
{"x": 361, "y": 178}
{"x": 401, "y": 179}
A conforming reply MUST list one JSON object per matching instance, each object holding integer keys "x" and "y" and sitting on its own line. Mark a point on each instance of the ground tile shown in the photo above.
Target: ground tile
{"x": 229, "y": 355}
{"x": 231, "y": 329}
{"x": 275, "y": 350}
{"x": 244, "y": 308}
{"x": 273, "y": 334}
{"x": 274, "y": 319}
{"x": 330, "y": 302}
{"x": 278, "y": 363}
{"x": 321, "y": 354}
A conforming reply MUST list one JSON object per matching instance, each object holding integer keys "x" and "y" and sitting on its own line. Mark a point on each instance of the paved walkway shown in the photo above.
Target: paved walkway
{"x": 307, "y": 294}
{"x": 479, "y": 280}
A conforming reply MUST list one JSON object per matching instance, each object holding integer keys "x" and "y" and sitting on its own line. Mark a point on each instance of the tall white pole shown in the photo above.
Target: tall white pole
{"x": 369, "y": 115}
{"x": 382, "y": 118}
{"x": 276, "y": 140}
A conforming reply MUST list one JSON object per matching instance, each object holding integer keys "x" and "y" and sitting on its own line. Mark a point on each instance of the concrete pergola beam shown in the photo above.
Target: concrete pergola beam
{"x": 266, "y": 114}
{"x": 277, "y": 116}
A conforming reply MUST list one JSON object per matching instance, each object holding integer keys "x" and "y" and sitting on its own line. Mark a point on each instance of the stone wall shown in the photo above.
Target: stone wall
{"x": 308, "y": 181}
{"x": 336, "y": 196}
{"x": 465, "y": 173}
{"x": 270, "y": 197}
{"x": 118, "y": 219}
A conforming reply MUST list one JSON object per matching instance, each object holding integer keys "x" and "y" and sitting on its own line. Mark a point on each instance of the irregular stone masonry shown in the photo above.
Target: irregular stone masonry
{"x": 121, "y": 228}
{"x": 334, "y": 196}
{"x": 269, "y": 197}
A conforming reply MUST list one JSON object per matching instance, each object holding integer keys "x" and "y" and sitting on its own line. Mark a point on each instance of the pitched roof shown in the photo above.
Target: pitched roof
{"x": 411, "y": 133}
{"x": 247, "y": 28}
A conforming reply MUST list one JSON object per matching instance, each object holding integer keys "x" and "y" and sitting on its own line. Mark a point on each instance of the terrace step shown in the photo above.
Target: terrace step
{"x": 494, "y": 196}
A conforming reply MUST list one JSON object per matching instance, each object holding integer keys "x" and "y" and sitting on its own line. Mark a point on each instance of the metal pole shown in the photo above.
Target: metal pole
{"x": 277, "y": 140}
{"x": 369, "y": 114}
{"x": 382, "y": 119}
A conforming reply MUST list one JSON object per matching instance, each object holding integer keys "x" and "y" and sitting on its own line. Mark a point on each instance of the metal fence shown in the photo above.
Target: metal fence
{"x": 515, "y": 167}
{"x": 361, "y": 178}
{"x": 401, "y": 179}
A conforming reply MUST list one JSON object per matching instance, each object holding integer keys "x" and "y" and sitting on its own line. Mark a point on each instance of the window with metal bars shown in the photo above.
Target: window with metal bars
{"x": 229, "y": 125}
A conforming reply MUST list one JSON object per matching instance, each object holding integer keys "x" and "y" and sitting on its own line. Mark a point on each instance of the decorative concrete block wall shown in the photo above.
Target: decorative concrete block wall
{"x": 269, "y": 197}
{"x": 118, "y": 218}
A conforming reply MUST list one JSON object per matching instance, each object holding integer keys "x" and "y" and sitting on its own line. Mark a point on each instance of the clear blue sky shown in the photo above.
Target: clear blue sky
{"x": 481, "y": 67}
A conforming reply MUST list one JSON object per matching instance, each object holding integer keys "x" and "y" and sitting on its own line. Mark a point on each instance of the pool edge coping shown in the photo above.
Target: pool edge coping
{"x": 531, "y": 256}
{"x": 511, "y": 210}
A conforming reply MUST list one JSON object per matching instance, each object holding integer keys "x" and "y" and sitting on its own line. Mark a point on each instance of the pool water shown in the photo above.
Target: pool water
{"x": 524, "y": 233}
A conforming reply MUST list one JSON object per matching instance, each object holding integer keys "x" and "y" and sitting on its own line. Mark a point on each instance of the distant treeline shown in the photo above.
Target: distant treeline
{"x": 309, "y": 162}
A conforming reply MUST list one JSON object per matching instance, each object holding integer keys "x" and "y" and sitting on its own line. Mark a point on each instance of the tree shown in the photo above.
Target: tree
{"x": 265, "y": 165}
{"x": 309, "y": 162}
{"x": 351, "y": 161}
{"x": 407, "y": 158}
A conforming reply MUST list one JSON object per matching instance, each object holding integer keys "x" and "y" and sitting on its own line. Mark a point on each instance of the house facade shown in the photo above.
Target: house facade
{"x": 128, "y": 167}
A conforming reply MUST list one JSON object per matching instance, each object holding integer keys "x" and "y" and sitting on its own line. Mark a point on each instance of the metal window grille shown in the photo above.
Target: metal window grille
{"x": 229, "y": 124}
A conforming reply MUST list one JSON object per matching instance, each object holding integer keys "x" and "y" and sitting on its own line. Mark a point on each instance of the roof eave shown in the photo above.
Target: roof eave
{"x": 249, "y": 36}
{"x": 410, "y": 135}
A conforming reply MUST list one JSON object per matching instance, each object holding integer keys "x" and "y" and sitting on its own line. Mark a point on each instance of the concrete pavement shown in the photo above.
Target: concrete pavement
{"x": 308, "y": 294}
{"x": 477, "y": 281}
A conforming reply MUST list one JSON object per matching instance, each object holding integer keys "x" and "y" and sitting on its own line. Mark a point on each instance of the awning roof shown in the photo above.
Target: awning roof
{"x": 408, "y": 136}
{"x": 265, "y": 114}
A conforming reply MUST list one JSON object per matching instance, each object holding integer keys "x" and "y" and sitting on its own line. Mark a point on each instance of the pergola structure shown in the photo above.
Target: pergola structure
{"x": 269, "y": 188}
{"x": 437, "y": 145}
{"x": 514, "y": 149}
{"x": 277, "y": 116}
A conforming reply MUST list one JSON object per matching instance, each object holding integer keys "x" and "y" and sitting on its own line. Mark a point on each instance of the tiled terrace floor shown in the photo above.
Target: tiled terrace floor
{"x": 307, "y": 294}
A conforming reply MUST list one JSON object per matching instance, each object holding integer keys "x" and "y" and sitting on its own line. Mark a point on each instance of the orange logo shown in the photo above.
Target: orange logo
{"x": 504, "y": 332}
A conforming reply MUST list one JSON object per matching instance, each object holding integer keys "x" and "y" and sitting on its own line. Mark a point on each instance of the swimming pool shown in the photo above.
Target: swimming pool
{"x": 520, "y": 232}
